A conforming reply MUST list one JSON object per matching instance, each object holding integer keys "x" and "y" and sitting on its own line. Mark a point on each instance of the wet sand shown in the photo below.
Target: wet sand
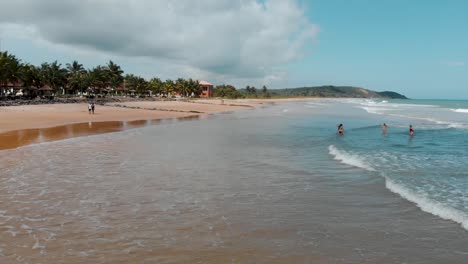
{"x": 18, "y": 138}
{"x": 23, "y": 125}
{"x": 228, "y": 189}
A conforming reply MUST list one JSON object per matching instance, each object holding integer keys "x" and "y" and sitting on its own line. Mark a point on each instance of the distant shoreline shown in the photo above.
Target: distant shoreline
{"x": 29, "y": 124}
{"x": 24, "y": 124}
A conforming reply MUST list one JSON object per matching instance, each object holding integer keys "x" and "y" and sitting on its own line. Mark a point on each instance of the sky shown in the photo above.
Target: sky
{"x": 418, "y": 48}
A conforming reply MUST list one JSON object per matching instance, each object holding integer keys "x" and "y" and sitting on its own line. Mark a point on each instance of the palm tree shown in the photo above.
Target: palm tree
{"x": 181, "y": 87}
{"x": 76, "y": 77}
{"x": 116, "y": 78}
{"x": 31, "y": 78}
{"x": 156, "y": 86}
{"x": 265, "y": 92}
{"x": 253, "y": 91}
{"x": 98, "y": 78}
{"x": 54, "y": 75}
{"x": 29, "y": 75}
{"x": 130, "y": 81}
{"x": 10, "y": 69}
{"x": 142, "y": 86}
{"x": 168, "y": 88}
{"x": 194, "y": 87}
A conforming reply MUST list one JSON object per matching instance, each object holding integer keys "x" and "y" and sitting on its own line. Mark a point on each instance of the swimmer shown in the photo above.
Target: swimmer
{"x": 384, "y": 129}
{"x": 341, "y": 130}
{"x": 411, "y": 130}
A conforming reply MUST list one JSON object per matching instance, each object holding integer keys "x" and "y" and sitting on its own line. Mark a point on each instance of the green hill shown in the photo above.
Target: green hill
{"x": 334, "y": 91}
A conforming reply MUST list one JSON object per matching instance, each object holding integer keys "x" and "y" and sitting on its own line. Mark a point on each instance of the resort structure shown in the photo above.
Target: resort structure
{"x": 206, "y": 89}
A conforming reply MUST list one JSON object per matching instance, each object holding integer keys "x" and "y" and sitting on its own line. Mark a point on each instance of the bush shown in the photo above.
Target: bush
{"x": 227, "y": 91}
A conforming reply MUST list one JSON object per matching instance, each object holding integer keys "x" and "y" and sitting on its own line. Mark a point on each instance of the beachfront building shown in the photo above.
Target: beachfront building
{"x": 12, "y": 89}
{"x": 206, "y": 89}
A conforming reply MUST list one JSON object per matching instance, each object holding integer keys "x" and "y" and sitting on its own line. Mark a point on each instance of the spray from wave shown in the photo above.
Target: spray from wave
{"x": 349, "y": 158}
{"x": 428, "y": 205}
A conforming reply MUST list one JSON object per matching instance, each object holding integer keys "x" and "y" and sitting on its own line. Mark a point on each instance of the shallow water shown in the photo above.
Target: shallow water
{"x": 19, "y": 138}
{"x": 271, "y": 185}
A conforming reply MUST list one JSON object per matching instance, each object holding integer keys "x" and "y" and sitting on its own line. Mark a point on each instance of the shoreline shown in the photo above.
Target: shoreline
{"x": 32, "y": 124}
{"x": 22, "y": 125}
{"x": 19, "y": 138}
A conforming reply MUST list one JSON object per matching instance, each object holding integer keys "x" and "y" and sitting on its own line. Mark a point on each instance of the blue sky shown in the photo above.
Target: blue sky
{"x": 417, "y": 48}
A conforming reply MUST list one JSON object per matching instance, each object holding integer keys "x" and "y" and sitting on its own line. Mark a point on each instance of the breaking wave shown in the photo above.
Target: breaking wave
{"x": 428, "y": 205}
{"x": 460, "y": 110}
{"x": 349, "y": 158}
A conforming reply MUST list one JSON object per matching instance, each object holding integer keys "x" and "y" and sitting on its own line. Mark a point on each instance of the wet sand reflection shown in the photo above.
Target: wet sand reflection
{"x": 18, "y": 138}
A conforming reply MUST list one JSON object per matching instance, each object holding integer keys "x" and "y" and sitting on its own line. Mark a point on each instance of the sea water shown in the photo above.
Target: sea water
{"x": 430, "y": 168}
{"x": 274, "y": 184}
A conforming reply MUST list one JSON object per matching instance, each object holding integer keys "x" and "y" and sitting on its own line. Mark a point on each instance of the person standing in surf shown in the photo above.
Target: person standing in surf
{"x": 341, "y": 130}
{"x": 384, "y": 129}
{"x": 411, "y": 130}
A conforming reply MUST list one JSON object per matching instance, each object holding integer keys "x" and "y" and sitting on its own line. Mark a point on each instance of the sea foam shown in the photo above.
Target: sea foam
{"x": 349, "y": 158}
{"x": 460, "y": 110}
{"x": 428, "y": 205}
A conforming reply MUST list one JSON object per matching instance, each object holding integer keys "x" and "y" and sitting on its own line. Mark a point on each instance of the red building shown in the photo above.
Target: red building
{"x": 207, "y": 89}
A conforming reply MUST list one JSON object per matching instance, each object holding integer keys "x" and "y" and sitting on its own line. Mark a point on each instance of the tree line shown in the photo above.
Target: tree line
{"x": 74, "y": 79}
{"x": 229, "y": 91}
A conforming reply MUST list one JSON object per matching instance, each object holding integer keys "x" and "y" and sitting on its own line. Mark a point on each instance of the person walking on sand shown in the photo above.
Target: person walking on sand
{"x": 384, "y": 129}
{"x": 92, "y": 108}
{"x": 341, "y": 130}
{"x": 411, "y": 130}
{"x": 89, "y": 108}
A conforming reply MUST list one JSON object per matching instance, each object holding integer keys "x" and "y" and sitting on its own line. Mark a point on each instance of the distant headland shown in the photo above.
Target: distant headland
{"x": 335, "y": 92}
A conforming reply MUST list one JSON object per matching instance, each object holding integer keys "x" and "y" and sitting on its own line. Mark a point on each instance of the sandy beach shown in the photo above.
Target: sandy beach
{"x": 27, "y": 124}
{"x": 42, "y": 116}
{"x": 259, "y": 185}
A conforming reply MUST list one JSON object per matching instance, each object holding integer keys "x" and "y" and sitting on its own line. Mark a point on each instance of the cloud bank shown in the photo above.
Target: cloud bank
{"x": 243, "y": 39}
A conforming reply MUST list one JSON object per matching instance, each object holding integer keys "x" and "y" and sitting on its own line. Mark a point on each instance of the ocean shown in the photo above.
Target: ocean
{"x": 275, "y": 184}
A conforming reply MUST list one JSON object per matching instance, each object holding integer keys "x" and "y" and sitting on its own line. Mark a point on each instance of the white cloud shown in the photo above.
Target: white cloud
{"x": 235, "y": 40}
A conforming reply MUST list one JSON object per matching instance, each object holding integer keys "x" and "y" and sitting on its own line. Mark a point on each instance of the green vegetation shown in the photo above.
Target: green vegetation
{"x": 230, "y": 91}
{"x": 227, "y": 91}
{"x": 54, "y": 80}
{"x": 334, "y": 91}
{"x": 392, "y": 95}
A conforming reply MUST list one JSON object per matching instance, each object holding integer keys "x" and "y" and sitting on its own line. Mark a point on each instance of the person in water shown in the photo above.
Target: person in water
{"x": 341, "y": 130}
{"x": 411, "y": 130}
{"x": 384, "y": 129}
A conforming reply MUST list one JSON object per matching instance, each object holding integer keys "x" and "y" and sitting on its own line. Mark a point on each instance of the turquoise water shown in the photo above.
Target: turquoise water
{"x": 443, "y": 103}
{"x": 268, "y": 185}
{"x": 429, "y": 169}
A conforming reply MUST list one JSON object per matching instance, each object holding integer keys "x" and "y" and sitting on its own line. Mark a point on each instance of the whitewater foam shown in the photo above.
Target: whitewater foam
{"x": 460, "y": 110}
{"x": 349, "y": 158}
{"x": 375, "y": 110}
{"x": 428, "y": 205}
